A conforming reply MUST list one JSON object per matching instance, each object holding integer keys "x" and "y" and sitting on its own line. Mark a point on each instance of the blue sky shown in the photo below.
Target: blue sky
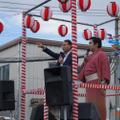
{"x": 11, "y": 17}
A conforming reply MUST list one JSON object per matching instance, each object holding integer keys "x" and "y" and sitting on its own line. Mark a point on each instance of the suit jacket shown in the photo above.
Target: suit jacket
{"x": 68, "y": 61}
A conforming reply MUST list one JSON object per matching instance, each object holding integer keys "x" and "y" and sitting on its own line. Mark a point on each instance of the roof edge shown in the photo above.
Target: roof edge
{"x": 47, "y": 42}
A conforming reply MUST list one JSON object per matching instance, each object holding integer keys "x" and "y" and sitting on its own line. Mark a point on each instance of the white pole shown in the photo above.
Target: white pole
{"x": 65, "y": 112}
{"x": 10, "y": 115}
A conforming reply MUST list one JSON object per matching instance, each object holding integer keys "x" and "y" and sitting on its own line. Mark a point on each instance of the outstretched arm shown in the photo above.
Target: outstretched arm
{"x": 40, "y": 45}
{"x": 48, "y": 51}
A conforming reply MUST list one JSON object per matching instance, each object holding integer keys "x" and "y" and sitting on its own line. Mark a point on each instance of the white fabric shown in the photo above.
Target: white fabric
{"x": 64, "y": 59}
{"x": 91, "y": 77}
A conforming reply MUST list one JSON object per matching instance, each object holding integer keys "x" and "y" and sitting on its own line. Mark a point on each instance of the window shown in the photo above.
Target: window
{"x": 4, "y": 72}
{"x": 36, "y": 101}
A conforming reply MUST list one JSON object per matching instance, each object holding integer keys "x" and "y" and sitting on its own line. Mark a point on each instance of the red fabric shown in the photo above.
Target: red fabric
{"x": 97, "y": 62}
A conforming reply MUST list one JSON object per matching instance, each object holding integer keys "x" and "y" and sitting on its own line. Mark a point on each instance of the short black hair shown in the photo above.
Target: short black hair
{"x": 68, "y": 41}
{"x": 97, "y": 40}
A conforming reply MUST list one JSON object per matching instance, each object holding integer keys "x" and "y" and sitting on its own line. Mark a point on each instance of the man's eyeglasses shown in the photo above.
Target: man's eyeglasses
{"x": 64, "y": 45}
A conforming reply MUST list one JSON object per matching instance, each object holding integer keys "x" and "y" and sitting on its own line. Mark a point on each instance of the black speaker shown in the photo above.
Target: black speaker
{"x": 37, "y": 114}
{"x": 86, "y": 111}
{"x": 7, "y": 100}
{"x": 58, "y": 85}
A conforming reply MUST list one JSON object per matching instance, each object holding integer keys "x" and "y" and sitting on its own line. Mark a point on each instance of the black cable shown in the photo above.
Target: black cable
{"x": 16, "y": 3}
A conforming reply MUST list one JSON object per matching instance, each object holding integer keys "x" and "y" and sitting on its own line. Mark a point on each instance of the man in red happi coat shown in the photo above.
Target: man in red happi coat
{"x": 96, "y": 70}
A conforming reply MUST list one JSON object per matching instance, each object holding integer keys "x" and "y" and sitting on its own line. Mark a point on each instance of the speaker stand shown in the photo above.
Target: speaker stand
{"x": 10, "y": 114}
{"x": 65, "y": 112}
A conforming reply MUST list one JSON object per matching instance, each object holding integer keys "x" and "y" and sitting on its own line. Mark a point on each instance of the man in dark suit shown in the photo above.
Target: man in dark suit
{"x": 65, "y": 57}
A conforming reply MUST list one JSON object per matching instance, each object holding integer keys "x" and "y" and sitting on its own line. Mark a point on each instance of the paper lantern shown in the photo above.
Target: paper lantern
{"x": 29, "y": 21}
{"x": 35, "y": 27}
{"x": 102, "y": 34}
{"x": 62, "y": 30}
{"x": 63, "y": 1}
{"x": 87, "y": 34}
{"x": 84, "y": 5}
{"x": 112, "y": 9}
{"x": 46, "y": 13}
{"x": 65, "y": 7}
{"x": 1, "y": 27}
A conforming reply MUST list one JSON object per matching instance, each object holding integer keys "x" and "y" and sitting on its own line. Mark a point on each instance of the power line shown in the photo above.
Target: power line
{"x": 6, "y": 7}
{"x": 56, "y": 12}
{"x": 43, "y": 6}
{"x": 94, "y": 11}
{"x": 18, "y": 10}
{"x": 17, "y": 3}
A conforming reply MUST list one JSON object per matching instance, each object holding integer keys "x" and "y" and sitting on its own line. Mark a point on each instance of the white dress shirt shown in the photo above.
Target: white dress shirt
{"x": 66, "y": 55}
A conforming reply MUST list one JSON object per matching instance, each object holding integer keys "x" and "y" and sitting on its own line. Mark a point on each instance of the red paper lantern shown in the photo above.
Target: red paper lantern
{"x": 35, "y": 26}
{"x": 112, "y": 9}
{"x": 46, "y": 13}
{"x": 63, "y": 1}
{"x": 65, "y": 7}
{"x": 63, "y": 30}
{"x": 29, "y": 21}
{"x": 102, "y": 34}
{"x": 84, "y": 5}
{"x": 1, "y": 27}
{"x": 87, "y": 34}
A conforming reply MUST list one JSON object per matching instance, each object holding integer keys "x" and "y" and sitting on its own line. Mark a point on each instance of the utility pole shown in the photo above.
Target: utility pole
{"x": 17, "y": 112}
{"x": 116, "y": 72}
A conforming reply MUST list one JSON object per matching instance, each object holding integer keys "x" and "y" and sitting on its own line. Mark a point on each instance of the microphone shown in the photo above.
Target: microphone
{"x": 88, "y": 50}
{"x": 61, "y": 53}
{"x": 60, "y": 60}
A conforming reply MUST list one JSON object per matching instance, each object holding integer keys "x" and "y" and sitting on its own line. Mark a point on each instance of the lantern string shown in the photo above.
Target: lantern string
{"x": 37, "y": 6}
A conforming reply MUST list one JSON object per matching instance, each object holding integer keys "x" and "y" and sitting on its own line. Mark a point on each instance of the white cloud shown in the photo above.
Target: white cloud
{"x": 16, "y": 20}
{"x": 51, "y": 26}
{"x": 4, "y": 23}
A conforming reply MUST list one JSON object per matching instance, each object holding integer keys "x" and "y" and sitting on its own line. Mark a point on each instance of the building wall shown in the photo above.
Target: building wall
{"x": 13, "y": 73}
{"x": 35, "y": 74}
